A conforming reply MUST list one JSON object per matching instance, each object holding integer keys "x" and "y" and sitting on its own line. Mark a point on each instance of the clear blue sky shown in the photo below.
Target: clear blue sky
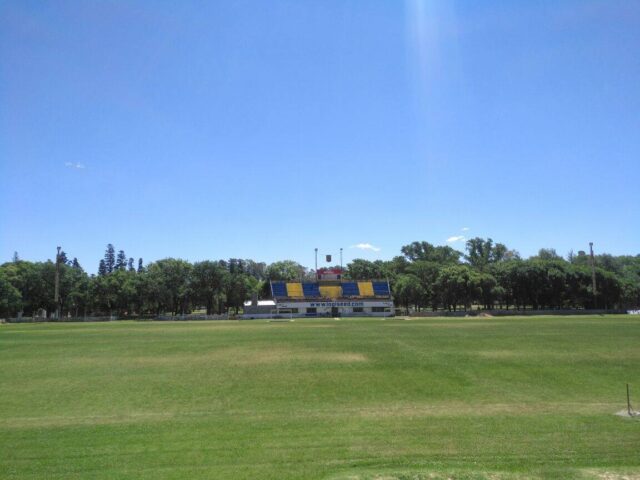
{"x": 207, "y": 130}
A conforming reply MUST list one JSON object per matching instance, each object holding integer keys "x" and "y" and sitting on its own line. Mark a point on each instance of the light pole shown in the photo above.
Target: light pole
{"x": 316, "y": 264}
{"x": 593, "y": 275}
{"x": 57, "y": 285}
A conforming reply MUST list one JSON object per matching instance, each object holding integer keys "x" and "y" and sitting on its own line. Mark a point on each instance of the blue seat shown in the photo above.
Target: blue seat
{"x": 350, "y": 289}
{"x": 310, "y": 289}
{"x": 381, "y": 289}
{"x": 279, "y": 289}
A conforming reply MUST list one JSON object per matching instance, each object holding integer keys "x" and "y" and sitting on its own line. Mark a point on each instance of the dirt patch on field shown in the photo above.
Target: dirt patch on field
{"x": 612, "y": 475}
{"x": 497, "y": 354}
{"x": 625, "y": 414}
{"x": 523, "y": 354}
{"x": 62, "y": 421}
{"x": 282, "y": 355}
{"x": 452, "y": 324}
{"x": 227, "y": 356}
{"x": 483, "y": 409}
{"x": 372, "y": 412}
{"x": 618, "y": 476}
{"x": 441, "y": 475}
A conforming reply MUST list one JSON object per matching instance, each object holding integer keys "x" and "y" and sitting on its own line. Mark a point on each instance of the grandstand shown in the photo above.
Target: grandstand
{"x": 330, "y": 296}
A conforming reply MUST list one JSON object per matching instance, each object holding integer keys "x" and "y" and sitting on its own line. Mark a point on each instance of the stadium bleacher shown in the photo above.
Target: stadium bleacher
{"x": 381, "y": 289}
{"x": 350, "y": 289}
{"x": 279, "y": 289}
{"x": 331, "y": 291}
{"x": 294, "y": 290}
{"x": 310, "y": 289}
{"x": 325, "y": 297}
{"x": 361, "y": 289}
{"x": 366, "y": 289}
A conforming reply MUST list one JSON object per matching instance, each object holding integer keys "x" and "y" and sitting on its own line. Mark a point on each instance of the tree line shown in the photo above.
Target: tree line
{"x": 126, "y": 287}
{"x": 487, "y": 275}
{"x": 491, "y": 276}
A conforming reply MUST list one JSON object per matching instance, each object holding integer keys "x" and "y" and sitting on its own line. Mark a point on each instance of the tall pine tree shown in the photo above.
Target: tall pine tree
{"x": 102, "y": 268}
{"x": 121, "y": 261}
{"x": 63, "y": 257}
{"x": 110, "y": 258}
{"x": 130, "y": 266}
{"x": 140, "y": 266}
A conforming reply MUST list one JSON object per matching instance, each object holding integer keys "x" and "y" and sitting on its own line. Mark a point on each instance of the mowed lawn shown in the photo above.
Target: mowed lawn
{"x": 474, "y": 398}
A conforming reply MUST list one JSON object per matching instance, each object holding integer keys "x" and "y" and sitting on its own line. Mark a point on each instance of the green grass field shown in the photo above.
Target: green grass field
{"x": 495, "y": 398}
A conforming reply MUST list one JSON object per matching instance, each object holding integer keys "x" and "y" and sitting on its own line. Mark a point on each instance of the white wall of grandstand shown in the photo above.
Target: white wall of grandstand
{"x": 329, "y": 296}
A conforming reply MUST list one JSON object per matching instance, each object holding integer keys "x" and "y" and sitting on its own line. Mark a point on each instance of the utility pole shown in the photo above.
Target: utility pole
{"x": 593, "y": 275}
{"x": 57, "y": 286}
{"x": 316, "y": 264}
{"x": 340, "y": 260}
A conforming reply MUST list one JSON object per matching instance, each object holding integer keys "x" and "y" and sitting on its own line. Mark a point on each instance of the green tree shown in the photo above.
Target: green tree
{"x": 75, "y": 292}
{"x": 427, "y": 272}
{"x": 238, "y": 288}
{"x": 578, "y": 286}
{"x": 629, "y": 293}
{"x": 398, "y": 265}
{"x": 121, "y": 261}
{"x": 102, "y": 268}
{"x": 427, "y": 252}
{"x": 548, "y": 254}
{"x": 110, "y": 258}
{"x": 285, "y": 270}
{"x": 630, "y": 282}
{"x": 488, "y": 290}
{"x": 171, "y": 280}
{"x": 458, "y": 285}
{"x": 554, "y": 292}
{"x": 258, "y": 270}
{"x": 62, "y": 257}
{"x": 236, "y": 265}
{"x": 35, "y": 281}
{"x": 408, "y": 291}
{"x": 609, "y": 289}
{"x": 104, "y": 291}
{"x": 126, "y": 291}
{"x": 10, "y": 297}
{"x": 361, "y": 269}
{"x": 209, "y": 278}
{"x": 481, "y": 253}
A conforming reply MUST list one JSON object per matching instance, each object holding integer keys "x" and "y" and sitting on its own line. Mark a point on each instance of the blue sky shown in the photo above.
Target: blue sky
{"x": 207, "y": 130}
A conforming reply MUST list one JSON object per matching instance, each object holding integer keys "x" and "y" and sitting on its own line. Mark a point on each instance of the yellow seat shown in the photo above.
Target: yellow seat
{"x": 366, "y": 289}
{"x": 331, "y": 291}
{"x": 294, "y": 289}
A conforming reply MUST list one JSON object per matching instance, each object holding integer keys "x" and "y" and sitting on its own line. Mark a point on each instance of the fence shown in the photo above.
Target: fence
{"x": 399, "y": 312}
{"x": 224, "y": 316}
{"x": 505, "y": 313}
{"x": 116, "y": 318}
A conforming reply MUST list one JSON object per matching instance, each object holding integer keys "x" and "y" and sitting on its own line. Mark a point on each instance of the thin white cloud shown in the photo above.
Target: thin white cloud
{"x": 77, "y": 166}
{"x": 366, "y": 246}
{"x": 465, "y": 229}
{"x": 455, "y": 238}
